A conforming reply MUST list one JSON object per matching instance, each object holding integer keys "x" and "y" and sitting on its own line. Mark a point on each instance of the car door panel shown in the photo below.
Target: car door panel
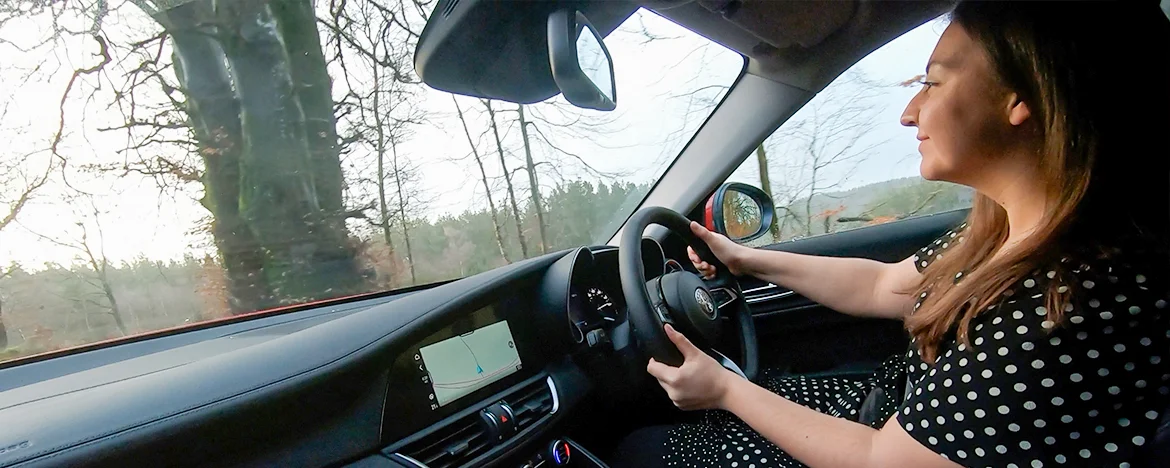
{"x": 799, "y": 336}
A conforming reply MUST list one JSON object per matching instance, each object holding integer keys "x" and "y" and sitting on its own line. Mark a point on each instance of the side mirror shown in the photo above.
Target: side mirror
{"x": 581, "y": 65}
{"x": 739, "y": 211}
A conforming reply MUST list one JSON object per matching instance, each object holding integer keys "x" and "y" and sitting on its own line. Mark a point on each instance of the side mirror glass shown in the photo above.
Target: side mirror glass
{"x": 739, "y": 211}
{"x": 581, "y": 65}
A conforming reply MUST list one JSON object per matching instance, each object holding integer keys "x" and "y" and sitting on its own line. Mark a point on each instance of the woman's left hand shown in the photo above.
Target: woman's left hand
{"x": 699, "y": 383}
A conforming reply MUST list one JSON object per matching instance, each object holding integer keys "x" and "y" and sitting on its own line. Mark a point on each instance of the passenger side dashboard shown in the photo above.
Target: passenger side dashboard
{"x": 336, "y": 390}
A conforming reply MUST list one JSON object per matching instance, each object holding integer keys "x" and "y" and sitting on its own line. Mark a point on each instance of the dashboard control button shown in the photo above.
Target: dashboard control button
{"x": 498, "y": 422}
{"x": 663, "y": 313}
{"x": 558, "y": 452}
{"x": 597, "y": 337}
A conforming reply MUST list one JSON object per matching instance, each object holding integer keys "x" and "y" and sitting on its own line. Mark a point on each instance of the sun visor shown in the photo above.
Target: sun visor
{"x": 782, "y": 24}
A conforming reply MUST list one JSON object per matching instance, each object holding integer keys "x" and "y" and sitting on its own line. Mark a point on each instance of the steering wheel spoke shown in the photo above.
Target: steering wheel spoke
{"x": 723, "y": 296}
{"x": 726, "y": 362}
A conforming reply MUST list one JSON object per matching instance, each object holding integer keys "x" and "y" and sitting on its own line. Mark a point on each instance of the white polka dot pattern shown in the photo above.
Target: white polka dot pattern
{"x": 1086, "y": 390}
{"x": 722, "y": 440}
{"x": 1031, "y": 391}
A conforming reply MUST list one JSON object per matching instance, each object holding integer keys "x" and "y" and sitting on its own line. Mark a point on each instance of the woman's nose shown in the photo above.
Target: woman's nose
{"x": 910, "y": 115}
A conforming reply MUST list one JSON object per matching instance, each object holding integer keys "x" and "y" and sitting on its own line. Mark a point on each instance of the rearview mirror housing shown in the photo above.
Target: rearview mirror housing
{"x": 739, "y": 211}
{"x": 581, "y": 65}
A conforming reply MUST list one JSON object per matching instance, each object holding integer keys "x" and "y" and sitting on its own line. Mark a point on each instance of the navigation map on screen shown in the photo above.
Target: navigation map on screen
{"x": 468, "y": 362}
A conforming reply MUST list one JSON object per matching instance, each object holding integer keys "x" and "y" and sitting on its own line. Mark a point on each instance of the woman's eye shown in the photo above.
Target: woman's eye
{"x": 920, "y": 80}
{"x": 926, "y": 83}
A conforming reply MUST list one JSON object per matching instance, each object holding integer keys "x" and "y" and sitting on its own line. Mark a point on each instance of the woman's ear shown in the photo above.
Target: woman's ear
{"x": 1018, "y": 111}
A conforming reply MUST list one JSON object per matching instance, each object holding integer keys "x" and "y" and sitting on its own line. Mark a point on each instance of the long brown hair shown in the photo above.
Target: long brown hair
{"x": 1094, "y": 75}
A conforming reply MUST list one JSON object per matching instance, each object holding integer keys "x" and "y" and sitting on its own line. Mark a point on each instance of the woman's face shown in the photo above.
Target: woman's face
{"x": 962, "y": 112}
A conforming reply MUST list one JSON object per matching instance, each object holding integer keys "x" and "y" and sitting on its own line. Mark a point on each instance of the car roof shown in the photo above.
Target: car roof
{"x": 802, "y": 44}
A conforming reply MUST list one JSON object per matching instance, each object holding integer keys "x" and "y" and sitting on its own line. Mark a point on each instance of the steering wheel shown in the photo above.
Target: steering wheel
{"x": 683, "y": 299}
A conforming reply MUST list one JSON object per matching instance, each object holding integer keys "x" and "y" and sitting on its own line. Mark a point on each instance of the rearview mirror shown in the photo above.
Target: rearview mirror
{"x": 581, "y": 65}
{"x": 739, "y": 211}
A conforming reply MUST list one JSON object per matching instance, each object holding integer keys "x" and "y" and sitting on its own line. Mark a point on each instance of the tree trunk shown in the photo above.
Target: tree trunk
{"x": 812, "y": 191}
{"x": 380, "y": 148}
{"x": 114, "y": 309}
{"x": 483, "y": 176}
{"x": 3, "y": 331}
{"x": 307, "y": 254}
{"x": 533, "y": 186}
{"x": 766, "y": 185}
{"x": 812, "y": 188}
{"x": 402, "y": 209}
{"x": 213, "y": 113}
{"x": 507, "y": 179}
{"x": 297, "y": 23}
{"x": 99, "y": 269}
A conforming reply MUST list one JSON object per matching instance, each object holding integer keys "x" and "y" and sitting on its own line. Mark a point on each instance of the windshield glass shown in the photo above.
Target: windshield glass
{"x": 168, "y": 163}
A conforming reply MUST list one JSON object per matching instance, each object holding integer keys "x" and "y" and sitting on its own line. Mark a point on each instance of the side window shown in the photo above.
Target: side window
{"x": 844, "y": 161}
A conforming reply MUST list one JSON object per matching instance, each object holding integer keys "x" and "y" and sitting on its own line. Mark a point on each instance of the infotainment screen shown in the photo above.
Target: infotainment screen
{"x": 463, "y": 364}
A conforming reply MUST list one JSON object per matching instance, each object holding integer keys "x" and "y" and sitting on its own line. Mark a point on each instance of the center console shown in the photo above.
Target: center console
{"x": 485, "y": 389}
{"x": 562, "y": 452}
{"x": 455, "y": 369}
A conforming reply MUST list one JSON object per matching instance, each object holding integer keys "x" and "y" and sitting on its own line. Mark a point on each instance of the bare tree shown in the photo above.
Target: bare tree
{"x": 21, "y": 176}
{"x": 533, "y": 185}
{"x": 14, "y": 175}
{"x": 824, "y": 143}
{"x": 487, "y": 104}
{"x": 766, "y": 185}
{"x": 401, "y": 174}
{"x": 92, "y": 252}
{"x": 484, "y": 179}
{"x": 380, "y": 148}
{"x": 386, "y": 107}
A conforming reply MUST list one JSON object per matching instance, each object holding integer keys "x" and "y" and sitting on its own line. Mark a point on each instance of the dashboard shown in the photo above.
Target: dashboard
{"x": 485, "y": 376}
{"x": 474, "y": 356}
{"x": 596, "y": 304}
{"x": 482, "y": 371}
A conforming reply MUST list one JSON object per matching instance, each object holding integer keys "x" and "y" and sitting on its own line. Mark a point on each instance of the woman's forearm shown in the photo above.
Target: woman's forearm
{"x": 813, "y": 438}
{"x": 853, "y": 286}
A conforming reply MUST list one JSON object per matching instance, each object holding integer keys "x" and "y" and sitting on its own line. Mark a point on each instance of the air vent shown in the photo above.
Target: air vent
{"x": 533, "y": 402}
{"x": 450, "y": 7}
{"x": 450, "y": 446}
{"x": 457, "y": 443}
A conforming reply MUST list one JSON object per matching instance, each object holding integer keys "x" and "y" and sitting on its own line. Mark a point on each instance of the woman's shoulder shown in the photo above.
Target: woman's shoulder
{"x": 934, "y": 250}
{"x": 1095, "y": 286}
{"x": 1142, "y": 265}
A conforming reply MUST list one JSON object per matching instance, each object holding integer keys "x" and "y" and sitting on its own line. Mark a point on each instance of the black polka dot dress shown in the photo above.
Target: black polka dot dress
{"x": 1030, "y": 392}
{"x": 1026, "y": 392}
{"x": 723, "y": 440}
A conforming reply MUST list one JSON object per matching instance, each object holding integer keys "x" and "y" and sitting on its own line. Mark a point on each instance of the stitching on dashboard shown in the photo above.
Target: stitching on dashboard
{"x": 2, "y": 408}
{"x": 205, "y": 404}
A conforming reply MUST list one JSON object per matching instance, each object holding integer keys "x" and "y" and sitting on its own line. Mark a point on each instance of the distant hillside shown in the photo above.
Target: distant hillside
{"x": 874, "y": 203}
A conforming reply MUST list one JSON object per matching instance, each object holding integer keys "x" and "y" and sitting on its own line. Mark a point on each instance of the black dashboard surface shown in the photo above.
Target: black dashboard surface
{"x": 317, "y": 388}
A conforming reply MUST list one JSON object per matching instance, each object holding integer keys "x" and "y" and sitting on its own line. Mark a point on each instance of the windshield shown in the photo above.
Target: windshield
{"x": 168, "y": 163}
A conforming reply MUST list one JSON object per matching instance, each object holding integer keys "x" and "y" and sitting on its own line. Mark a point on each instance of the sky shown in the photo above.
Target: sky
{"x": 890, "y": 150}
{"x": 658, "y": 110}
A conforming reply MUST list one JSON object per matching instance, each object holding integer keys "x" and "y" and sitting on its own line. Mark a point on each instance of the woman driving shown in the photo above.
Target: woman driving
{"x": 1039, "y": 328}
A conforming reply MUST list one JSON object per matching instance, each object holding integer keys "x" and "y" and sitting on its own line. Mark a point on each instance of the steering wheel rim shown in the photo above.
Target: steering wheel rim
{"x": 675, "y": 298}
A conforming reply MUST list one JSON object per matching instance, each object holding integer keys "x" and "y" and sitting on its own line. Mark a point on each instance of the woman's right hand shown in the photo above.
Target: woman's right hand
{"x": 724, "y": 249}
